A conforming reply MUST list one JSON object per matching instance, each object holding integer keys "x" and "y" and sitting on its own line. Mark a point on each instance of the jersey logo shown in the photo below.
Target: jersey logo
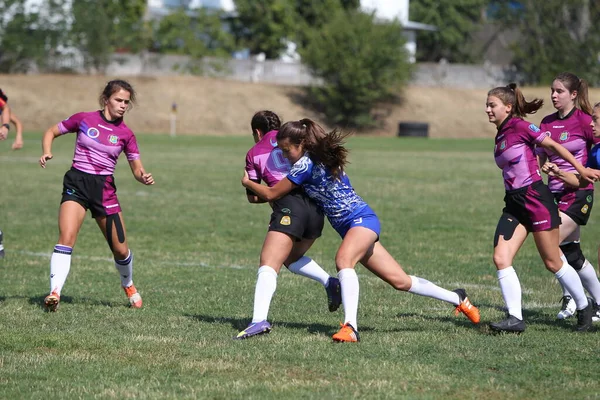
{"x": 564, "y": 136}
{"x": 589, "y": 198}
{"x": 358, "y": 220}
{"x": 93, "y": 133}
{"x": 274, "y": 144}
{"x": 113, "y": 139}
{"x": 285, "y": 220}
{"x": 503, "y": 145}
{"x": 534, "y": 128}
{"x": 584, "y": 209}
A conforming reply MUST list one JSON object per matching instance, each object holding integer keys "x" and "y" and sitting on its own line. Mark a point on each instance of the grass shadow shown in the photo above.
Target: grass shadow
{"x": 241, "y": 323}
{"x": 39, "y": 300}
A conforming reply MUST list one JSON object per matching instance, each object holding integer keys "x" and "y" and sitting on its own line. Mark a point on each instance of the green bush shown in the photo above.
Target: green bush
{"x": 361, "y": 62}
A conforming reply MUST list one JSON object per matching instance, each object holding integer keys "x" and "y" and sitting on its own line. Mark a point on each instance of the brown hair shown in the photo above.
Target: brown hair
{"x": 325, "y": 148}
{"x": 511, "y": 94}
{"x": 265, "y": 121}
{"x": 114, "y": 86}
{"x": 573, "y": 83}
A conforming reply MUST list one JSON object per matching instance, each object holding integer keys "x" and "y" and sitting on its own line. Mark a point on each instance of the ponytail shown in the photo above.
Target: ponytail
{"x": 511, "y": 94}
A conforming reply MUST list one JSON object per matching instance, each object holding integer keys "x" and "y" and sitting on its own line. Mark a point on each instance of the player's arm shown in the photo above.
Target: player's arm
{"x": 49, "y": 136}
{"x": 253, "y": 198}
{"x": 266, "y": 193}
{"x": 137, "y": 169}
{"x": 18, "y": 143}
{"x": 5, "y": 120}
{"x": 569, "y": 178}
{"x": 587, "y": 174}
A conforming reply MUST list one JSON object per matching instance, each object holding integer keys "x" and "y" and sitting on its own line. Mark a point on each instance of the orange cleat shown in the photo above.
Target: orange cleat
{"x": 52, "y": 301}
{"x": 135, "y": 300}
{"x": 346, "y": 334}
{"x": 466, "y": 307}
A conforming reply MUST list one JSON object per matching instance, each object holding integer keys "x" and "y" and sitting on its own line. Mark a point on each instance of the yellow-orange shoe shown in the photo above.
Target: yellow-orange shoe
{"x": 346, "y": 334}
{"x": 466, "y": 307}
{"x": 52, "y": 301}
{"x": 135, "y": 300}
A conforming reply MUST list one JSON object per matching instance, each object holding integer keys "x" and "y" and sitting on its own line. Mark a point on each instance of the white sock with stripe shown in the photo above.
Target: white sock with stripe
{"x": 60, "y": 265}
{"x": 125, "y": 268}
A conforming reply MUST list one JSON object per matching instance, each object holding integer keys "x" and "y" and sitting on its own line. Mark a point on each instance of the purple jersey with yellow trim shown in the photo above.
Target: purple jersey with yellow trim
{"x": 514, "y": 152}
{"x": 574, "y": 133}
{"x": 99, "y": 142}
{"x": 265, "y": 161}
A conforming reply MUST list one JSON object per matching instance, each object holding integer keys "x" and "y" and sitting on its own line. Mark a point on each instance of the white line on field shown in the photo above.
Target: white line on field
{"x": 171, "y": 263}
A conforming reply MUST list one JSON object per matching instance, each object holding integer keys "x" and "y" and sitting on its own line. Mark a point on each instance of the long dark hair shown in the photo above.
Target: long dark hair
{"x": 325, "y": 148}
{"x": 573, "y": 83}
{"x": 265, "y": 121}
{"x": 113, "y": 87}
{"x": 511, "y": 94}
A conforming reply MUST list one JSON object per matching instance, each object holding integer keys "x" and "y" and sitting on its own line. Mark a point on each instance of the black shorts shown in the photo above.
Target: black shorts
{"x": 297, "y": 215}
{"x": 533, "y": 206}
{"x": 577, "y": 204}
{"x": 97, "y": 193}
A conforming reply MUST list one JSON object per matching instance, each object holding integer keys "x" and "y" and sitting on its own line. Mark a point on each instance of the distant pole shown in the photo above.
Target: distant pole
{"x": 173, "y": 119}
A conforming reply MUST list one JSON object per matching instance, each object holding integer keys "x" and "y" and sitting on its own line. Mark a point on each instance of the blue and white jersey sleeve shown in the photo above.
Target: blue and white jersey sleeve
{"x": 594, "y": 157}
{"x": 336, "y": 197}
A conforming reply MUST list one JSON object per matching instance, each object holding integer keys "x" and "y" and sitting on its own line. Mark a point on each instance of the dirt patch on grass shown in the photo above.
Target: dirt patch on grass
{"x": 222, "y": 107}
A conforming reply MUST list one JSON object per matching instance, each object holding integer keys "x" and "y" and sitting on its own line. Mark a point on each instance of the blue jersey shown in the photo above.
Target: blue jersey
{"x": 336, "y": 197}
{"x": 594, "y": 157}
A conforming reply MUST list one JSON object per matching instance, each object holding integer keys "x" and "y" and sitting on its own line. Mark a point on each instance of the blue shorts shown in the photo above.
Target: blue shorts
{"x": 364, "y": 217}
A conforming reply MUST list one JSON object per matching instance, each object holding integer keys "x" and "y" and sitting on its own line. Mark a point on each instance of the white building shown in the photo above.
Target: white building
{"x": 398, "y": 9}
{"x": 384, "y": 9}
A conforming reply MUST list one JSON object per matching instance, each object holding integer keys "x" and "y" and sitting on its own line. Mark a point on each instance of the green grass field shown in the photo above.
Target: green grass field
{"x": 196, "y": 242}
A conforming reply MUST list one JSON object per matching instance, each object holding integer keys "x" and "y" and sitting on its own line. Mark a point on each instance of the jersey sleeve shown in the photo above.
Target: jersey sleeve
{"x": 3, "y": 100}
{"x": 301, "y": 171}
{"x": 71, "y": 124}
{"x": 251, "y": 168}
{"x": 534, "y": 134}
{"x": 132, "y": 152}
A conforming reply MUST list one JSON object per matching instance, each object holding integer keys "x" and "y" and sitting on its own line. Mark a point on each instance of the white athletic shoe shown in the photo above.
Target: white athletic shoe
{"x": 567, "y": 309}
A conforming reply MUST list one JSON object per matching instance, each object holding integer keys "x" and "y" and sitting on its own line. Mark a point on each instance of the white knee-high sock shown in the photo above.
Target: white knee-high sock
{"x": 309, "y": 268}
{"x": 570, "y": 280}
{"x": 511, "y": 291}
{"x": 589, "y": 279}
{"x": 60, "y": 265}
{"x": 564, "y": 289}
{"x": 125, "y": 268}
{"x": 423, "y": 287}
{"x": 266, "y": 284}
{"x": 350, "y": 290}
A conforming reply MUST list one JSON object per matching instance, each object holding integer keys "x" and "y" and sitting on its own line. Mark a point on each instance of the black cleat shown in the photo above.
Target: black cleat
{"x": 584, "y": 317}
{"x": 334, "y": 294}
{"x": 511, "y": 324}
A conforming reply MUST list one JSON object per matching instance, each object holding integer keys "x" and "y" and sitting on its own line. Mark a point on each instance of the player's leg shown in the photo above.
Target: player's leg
{"x": 276, "y": 249}
{"x": 113, "y": 229}
{"x": 547, "y": 245}
{"x": 300, "y": 264}
{"x": 357, "y": 242}
{"x": 568, "y": 235}
{"x": 508, "y": 239}
{"x": 70, "y": 219}
{"x": 382, "y": 264}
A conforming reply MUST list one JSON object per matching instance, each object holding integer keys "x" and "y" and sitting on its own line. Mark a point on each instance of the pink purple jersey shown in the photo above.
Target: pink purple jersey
{"x": 575, "y": 134}
{"x": 265, "y": 161}
{"x": 514, "y": 152}
{"x": 99, "y": 142}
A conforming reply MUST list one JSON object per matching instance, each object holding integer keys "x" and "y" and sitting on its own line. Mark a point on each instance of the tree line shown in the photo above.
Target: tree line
{"x": 359, "y": 59}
